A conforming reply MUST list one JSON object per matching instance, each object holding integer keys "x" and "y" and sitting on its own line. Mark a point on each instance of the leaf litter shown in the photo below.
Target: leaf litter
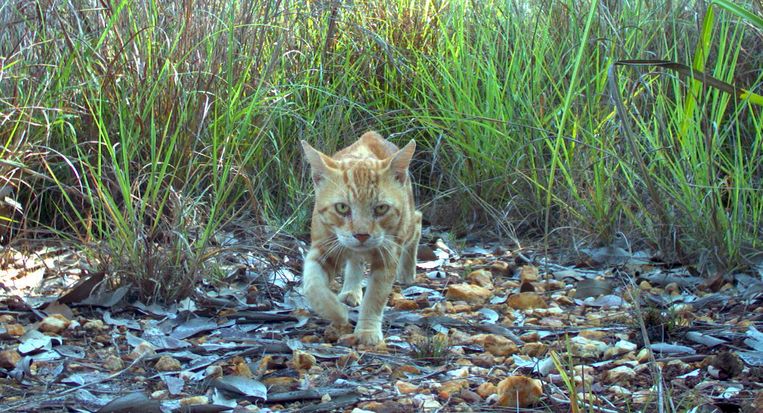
{"x": 483, "y": 328}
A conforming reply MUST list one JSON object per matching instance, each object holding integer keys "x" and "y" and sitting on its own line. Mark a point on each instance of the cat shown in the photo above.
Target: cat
{"x": 364, "y": 212}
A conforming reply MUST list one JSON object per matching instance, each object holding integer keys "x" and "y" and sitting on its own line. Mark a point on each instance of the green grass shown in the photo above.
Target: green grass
{"x": 142, "y": 129}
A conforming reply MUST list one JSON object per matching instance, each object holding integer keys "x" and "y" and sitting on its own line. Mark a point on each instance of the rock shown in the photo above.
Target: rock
{"x": 620, "y": 375}
{"x": 468, "y": 292}
{"x": 587, "y": 348}
{"x": 404, "y": 304}
{"x": 113, "y": 363}
{"x": 144, "y": 349}
{"x": 452, "y": 387}
{"x": 534, "y": 349}
{"x": 518, "y": 391}
{"x": 94, "y": 325}
{"x": 167, "y": 363}
{"x": 470, "y": 396}
{"x": 619, "y": 391}
{"x": 673, "y": 289}
{"x": 301, "y": 360}
{"x": 55, "y": 324}
{"x": 503, "y": 268}
{"x": 163, "y": 394}
{"x": 486, "y": 389}
{"x": 194, "y": 401}
{"x": 483, "y": 278}
{"x": 621, "y": 347}
{"x": 495, "y": 344}
{"x": 403, "y": 387}
{"x": 14, "y": 330}
{"x": 524, "y": 301}
{"x": 9, "y": 358}
{"x": 529, "y": 273}
{"x": 213, "y": 372}
{"x": 644, "y": 355}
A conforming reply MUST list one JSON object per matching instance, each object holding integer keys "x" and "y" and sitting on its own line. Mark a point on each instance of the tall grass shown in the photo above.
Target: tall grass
{"x": 151, "y": 124}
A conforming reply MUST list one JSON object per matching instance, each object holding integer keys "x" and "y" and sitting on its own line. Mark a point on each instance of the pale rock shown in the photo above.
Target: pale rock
{"x": 14, "y": 330}
{"x": 619, "y": 390}
{"x": 55, "y": 324}
{"x": 94, "y": 325}
{"x": 643, "y": 397}
{"x": 143, "y": 349}
{"x": 9, "y": 358}
{"x": 301, "y": 360}
{"x": 534, "y": 349}
{"x": 529, "y": 273}
{"x": 587, "y": 348}
{"x": 621, "y": 347}
{"x": 483, "y": 278}
{"x": 468, "y": 292}
{"x": 621, "y": 374}
{"x": 518, "y": 391}
{"x": 526, "y": 301}
{"x": 194, "y": 401}
{"x": 459, "y": 373}
{"x": 160, "y": 394}
{"x": 404, "y": 387}
{"x": 644, "y": 355}
{"x": 452, "y": 387}
{"x": 167, "y": 363}
{"x": 486, "y": 389}
{"x": 584, "y": 375}
{"x": 495, "y": 344}
{"x": 113, "y": 363}
{"x": 213, "y": 372}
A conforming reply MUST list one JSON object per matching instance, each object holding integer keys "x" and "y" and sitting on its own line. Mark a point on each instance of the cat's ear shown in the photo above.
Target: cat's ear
{"x": 398, "y": 163}
{"x": 320, "y": 164}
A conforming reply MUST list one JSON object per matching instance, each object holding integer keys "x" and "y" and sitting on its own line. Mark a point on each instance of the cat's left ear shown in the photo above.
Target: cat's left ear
{"x": 320, "y": 164}
{"x": 399, "y": 162}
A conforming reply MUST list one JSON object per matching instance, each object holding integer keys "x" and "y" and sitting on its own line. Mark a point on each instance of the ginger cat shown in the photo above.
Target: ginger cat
{"x": 364, "y": 213}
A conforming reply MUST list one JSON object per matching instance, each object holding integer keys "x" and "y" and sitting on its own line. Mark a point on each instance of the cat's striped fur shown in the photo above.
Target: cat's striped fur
{"x": 364, "y": 213}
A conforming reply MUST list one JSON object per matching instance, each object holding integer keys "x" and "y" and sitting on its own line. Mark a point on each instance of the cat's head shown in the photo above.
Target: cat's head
{"x": 362, "y": 201}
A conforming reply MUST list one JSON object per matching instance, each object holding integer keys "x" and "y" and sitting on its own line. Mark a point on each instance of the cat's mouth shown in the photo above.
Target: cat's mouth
{"x": 355, "y": 245}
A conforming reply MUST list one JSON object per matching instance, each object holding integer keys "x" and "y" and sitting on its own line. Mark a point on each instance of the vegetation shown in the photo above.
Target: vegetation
{"x": 142, "y": 128}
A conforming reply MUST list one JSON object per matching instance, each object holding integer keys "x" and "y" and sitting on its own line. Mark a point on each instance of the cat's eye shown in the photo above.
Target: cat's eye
{"x": 342, "y": 208}
{"x": 381, "y": 209}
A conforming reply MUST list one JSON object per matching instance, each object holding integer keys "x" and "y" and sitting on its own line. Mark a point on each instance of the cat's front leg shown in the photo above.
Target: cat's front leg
{"x": 406, "y": 268}
{"x": 352, "y": 291}
{"x": 368, "y": 330}
{"x": 317, "y": 291}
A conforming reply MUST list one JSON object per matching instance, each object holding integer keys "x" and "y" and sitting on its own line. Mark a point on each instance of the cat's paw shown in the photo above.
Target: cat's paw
{"x": 351, "y": 298}
{"x": 372, "y": 337}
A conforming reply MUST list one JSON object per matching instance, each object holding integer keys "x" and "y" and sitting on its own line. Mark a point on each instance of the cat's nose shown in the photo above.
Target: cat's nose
{"x": 361, "y": 237}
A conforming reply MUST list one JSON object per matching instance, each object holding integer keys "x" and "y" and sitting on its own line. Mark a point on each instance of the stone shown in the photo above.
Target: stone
{"x": 525, "y": 301}
{"x": 167, "y": 363}
{"x": 468, "y": 292}
{"x": 518, "y": 391}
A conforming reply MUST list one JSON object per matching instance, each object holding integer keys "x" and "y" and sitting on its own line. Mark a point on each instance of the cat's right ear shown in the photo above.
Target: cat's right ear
{"x": 320, "y": 164}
